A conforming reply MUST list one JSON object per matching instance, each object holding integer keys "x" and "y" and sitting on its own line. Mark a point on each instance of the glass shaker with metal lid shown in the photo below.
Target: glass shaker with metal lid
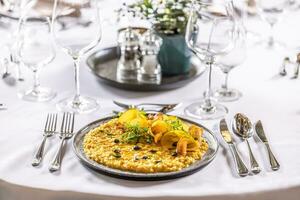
{"x": 150, "y": 69}
{"x": 128, "y": 64}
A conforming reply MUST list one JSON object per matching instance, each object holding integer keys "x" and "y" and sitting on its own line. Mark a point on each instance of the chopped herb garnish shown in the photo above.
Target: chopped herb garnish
{"x": 117, "y": 155}
{"x": 176, "y": 124}
{"x": 134, "y": 134}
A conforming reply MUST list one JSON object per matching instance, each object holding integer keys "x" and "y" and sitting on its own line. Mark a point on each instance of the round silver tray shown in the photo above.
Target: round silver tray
{"x": 103, "y": 63}
{"x": 198, "y": 165}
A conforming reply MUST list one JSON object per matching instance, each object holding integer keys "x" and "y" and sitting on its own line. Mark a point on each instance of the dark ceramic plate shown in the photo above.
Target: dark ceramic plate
{"x": 103, "y": 64}
{"x": 198, "y": 165}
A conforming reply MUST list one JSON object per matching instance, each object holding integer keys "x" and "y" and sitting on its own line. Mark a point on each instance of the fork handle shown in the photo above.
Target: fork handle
{"x": 39, "y": 154}
{"x": 56, "y": 163}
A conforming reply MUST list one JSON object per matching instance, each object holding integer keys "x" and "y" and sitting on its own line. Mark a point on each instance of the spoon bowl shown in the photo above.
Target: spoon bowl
{"x": 242, "y": 126}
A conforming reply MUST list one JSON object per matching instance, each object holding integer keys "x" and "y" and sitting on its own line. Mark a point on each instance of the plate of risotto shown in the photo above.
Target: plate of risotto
{"x": 139, "y": 145}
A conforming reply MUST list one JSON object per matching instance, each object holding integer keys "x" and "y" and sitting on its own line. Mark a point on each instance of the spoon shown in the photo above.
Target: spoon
{"x": 242, "y": 127}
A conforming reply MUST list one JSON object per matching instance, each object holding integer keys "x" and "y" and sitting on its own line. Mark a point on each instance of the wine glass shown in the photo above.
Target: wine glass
{"x": 20, "y": 9}
{"x": 76, "y": 29}
{"x": 229, "y": 61}
{"x": 35, "y": 50}
{"x": 210, "y": 32}
{"x": 272, "y": 11}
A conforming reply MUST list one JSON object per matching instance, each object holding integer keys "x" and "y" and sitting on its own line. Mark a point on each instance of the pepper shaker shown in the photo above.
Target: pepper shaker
{"x": 150, "y": 70}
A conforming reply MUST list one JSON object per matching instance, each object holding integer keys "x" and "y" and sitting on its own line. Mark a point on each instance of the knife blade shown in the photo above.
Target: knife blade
{"x": 260, "y": 131}
{"x": 240, "y": 165}
{"x": 225, "y": 132}
{"x": 262, "y": 136}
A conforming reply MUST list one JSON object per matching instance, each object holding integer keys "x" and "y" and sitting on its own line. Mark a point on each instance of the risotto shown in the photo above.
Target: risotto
{"x": 145, "y": 143}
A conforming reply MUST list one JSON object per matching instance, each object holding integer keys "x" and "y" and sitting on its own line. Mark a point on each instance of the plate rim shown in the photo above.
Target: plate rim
{"x": 128, "y": 175}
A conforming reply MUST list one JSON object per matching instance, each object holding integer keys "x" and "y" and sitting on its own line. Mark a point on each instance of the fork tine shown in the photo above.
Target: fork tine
{"x": 47, "y": 122}
{"x": 63, "y": 123}
{"x": 73, "y": 122}
{"x": 55, "y": 122}
{"x": 50, "y": 123}
{"x": 68, "y": 124}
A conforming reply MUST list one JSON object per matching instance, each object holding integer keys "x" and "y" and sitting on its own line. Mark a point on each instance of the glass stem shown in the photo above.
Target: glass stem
{"x": 225, "y": 85}
{"x": 36, "y": 83}
{"x": 271, "y": 36}
{"x": 76, "y": 100}
{"x": 207, "y": 98}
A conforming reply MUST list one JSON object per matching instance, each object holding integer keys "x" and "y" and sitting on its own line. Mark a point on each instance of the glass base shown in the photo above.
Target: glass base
{"x": 200, "y": 111}
{"x": 228, "y": 95}
{"x": 37, "y": 95}
{"x": 275, "y": 45}
{"x": 80, "y": 105}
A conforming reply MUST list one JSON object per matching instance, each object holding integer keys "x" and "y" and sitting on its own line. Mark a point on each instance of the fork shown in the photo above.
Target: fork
{"x": 66, "y": 132}
{"x": 127, "y": 106}
{"x": 49, "y": 130}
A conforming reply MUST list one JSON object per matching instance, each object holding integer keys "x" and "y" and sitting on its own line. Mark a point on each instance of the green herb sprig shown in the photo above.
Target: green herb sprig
{"x": 134, "y": 134}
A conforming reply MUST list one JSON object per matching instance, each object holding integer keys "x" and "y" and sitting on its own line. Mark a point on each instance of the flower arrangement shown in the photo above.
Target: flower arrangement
{"x": 168, "y": 17}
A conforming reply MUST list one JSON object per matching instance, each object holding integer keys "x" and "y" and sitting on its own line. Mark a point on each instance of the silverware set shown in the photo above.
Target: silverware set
{"x": 160, "y": 107}
{"x": 65, "y": 133}
{"x": 242, "y": 127}
{"x": 287, "y": 62}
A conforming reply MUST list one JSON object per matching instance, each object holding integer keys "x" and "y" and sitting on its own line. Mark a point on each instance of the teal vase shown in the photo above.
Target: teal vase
{"x": 174, "y": 56}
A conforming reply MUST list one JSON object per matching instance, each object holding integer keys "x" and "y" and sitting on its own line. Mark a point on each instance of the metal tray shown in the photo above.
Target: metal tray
{"x": 102, "y": 169}
{"x": 103, "y": 64}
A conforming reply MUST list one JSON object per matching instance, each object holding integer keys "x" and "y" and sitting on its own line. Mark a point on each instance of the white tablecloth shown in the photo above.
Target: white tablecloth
{"x": 276, "y": 101}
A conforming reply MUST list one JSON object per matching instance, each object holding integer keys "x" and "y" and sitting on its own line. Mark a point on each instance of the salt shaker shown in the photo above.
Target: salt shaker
{"x": 150, "y": 70}
{"x": 129, "y": 62}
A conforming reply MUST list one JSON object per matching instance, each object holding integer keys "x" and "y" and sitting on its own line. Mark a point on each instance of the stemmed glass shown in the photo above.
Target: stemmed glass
{"x": 210, "y": 32}
{"x": 35, "y": 50}
{"x": 19, "y": 8}
{"x": 229, "y": 61}
{"x": 76, "y": 29}
{"x": 272, "y": 11}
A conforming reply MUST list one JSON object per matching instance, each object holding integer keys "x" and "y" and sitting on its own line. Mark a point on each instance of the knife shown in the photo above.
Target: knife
{"x": 241, "y": 167}
{"x": 261, "y": 134}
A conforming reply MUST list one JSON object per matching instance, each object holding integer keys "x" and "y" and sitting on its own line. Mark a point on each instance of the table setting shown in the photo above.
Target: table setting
{"x": 133, "y": 99}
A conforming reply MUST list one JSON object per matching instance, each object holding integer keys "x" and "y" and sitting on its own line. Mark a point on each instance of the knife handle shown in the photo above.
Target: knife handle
{"x": 273, "y": 162}
{"x": 241, "y": 167}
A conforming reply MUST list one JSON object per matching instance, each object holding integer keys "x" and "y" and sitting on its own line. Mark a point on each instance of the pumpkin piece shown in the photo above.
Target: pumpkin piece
{"x": 128, "y": 115}
{"x": 160, "y": 126}
{"x": 157, "y": 137}
{"x": 195, "y": 131}
{"x": 141, "y": 122}
{"x": 186, "y": 144}
{"x": 170, "y": 138}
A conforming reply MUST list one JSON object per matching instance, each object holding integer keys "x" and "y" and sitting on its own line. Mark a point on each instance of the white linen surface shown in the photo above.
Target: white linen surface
{"x": 276, "y": 101}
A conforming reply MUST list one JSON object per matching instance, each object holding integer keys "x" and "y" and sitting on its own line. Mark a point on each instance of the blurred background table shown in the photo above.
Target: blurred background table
{"x": 276, "y": 101}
